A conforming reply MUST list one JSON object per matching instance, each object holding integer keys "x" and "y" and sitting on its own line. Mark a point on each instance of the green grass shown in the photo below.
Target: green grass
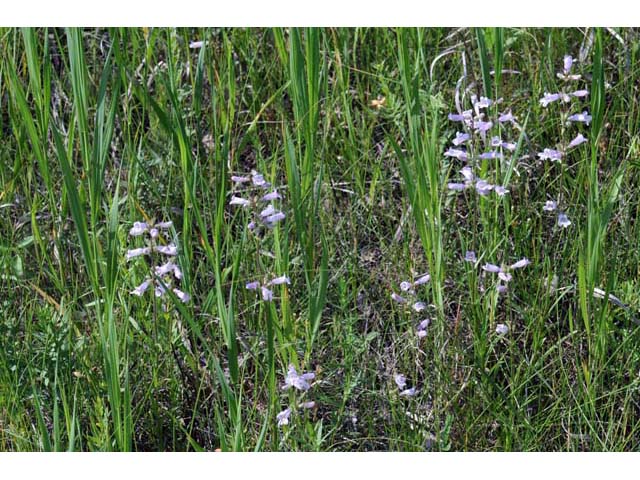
{"x": 104, "y": 127}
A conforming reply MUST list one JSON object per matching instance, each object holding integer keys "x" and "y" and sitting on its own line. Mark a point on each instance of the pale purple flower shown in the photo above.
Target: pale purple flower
{"x": 502, "y": 289}
{"x": 466, "y": 115}
{"x": 164, "y": 269}
{"x": 458, "y": 187}
{"x": 496, "y": 141}
{"x": 140, "y": 289}
{"x": 500, "y": 190}
{"x": 483, "y": 187}
{"x": 490, "y": 267}
{"x": 283, "y": 417}
{"x": 170, "y": 249}
{"x": 177, "y": 272}
{"x": 484, "y": 102}
{"x": 271, "y": 196}
{"x": 521, "y": 263}
{"x": 461, "y": 138}
{"x": 467, "y": 173}
{"x": 164, "y": 225}
{"x": 506, "y": 117}
{"x": 267, "y": 295}
{"x": 550, "y": 154}
{"x": 183, "y": 296}
{"x": 160, "y": 290}
{"x": 422, "y": 280}
{"x": 577, "y": 141}
{"x": 567, "y": 64}
{"x": 405, "y": 286}
{"x": 419, "y": 306}
{"x": 251, "y": 225}
{"x": 136, "y": 252}
{"x": 509, "y": 146}
{"x": 138, "y": 229}
{"x": 550, "y": 206}
{"x": 490, "y": 155}
{"x": 422, "y": 328}
{"x": 456, "y": 153}
{"x": 549, "y": 98}
{"x": 252, "y": 285}
{"x": 271, "y": 220}
{"x": 401, "y": 380}
{"x": 580, "y": 117}
{"x": 153, "y": 233}
{"x": 580, "y": 93}
{"x": 238, "y": 179}
{"x": 259, "y": 181}
{"x": 270, "y": 210}
{"x": 280, "y": 280}
{"x": 308, "y": 405}
{"x": 504, "y": 276}
{"x": 299, "y": 382}
{"x": 563, "y": 220}
{"x": 239, "y": 201}
{"x": 196, "y": 44}
{"x": 409, "y": 392}
{"x": 470, "y": 256}
{"x": 397, "y": 298}
{"x": 502, "y": 329}
{"x": 481, "y": 126}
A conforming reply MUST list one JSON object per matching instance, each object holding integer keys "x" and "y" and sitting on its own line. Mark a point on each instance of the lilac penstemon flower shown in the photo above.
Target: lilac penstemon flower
{"x": 502, "y": 329}
{"x": 401, "y": 380}
{"x": 283, "y": 417}
{"x": 409, "y": 392}
{"x": 397, "y": 298}
{"x": 579, "y": 140}
{"x": 550, "y": 154}
{"x": 567, "y": 63}
{"x": 298, "y": 381}
{"x": 493, "y": 154}
{"x": 507, "y": 117}
{"x": 500, "y": 190}
{"x": 563, "y": 220}
{"x": 140, "y": 289}
{"x": 483, "y": 187}
{"x": 422, "y": 328}
{"x": 456, "y": 153}
{"x": 243, "y": 202}
{"x": 138, "y": 229}
{"x": 460, "y": 138}
{"x": 269, "y": 197}
{"x": 550, "y": 206}
{"x": 583, "y": 117}
{"x": 422, "y": 280}
{"x": 466, "y": 116}
{"x": 470, "y": 256}
{"x": 240, "y": 179}
{"x": 136, "y": 252}
{"x": 482, "y": 127}
{"x": 549, "y": 98}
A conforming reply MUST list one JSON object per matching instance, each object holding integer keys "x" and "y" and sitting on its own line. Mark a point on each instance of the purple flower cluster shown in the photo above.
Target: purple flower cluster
{"x": 167, "y": 271}
{"x": 298, "y": 382}
{"x": 567, "y": 94}
{"x": 481, "y": 186}
{"x": 409, "y": 297}
{"x": 401, "y": 383}
{"x": 475, "y": 144}
{"x": 504, "y": 272}
{"x": 264, "y": 212}
{"x": 266, "y": 292}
